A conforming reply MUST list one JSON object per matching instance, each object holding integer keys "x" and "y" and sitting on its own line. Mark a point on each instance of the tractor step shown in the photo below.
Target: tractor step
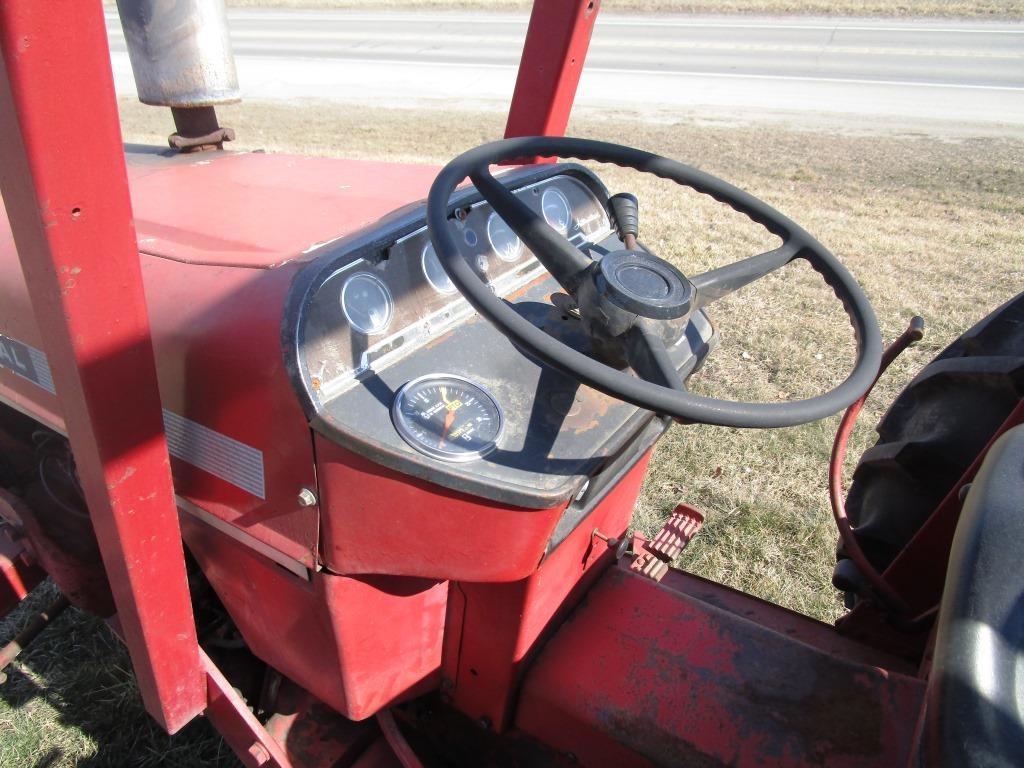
{"x": 654, "y": 557}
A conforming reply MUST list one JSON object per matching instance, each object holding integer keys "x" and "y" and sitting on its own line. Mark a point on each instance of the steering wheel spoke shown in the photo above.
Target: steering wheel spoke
{"x": 718, "y": 283}
{"x": 648, "y": 357}
{"x": 566, "y": 263}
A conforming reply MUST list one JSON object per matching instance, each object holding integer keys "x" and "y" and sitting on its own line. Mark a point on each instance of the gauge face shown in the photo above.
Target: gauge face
{"x": 556, "y": 210}
{"x": 504, "y": 241}
{"x": 434, "y": 272}
{"x": 367, "y": 303}
{"x": 447, "y": 417}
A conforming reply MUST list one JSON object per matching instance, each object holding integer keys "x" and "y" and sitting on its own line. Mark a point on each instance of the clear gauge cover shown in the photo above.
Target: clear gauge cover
{"x": 504, "y": 241}
{"x": 434, "y": 272}
{"x": 556, "y": 210}
{"x": 447, "y": 417}
{"x": 367, "y": 303}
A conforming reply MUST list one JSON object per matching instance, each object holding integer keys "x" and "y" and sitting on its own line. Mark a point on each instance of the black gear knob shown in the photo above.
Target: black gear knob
{"x": 626, "y": 214}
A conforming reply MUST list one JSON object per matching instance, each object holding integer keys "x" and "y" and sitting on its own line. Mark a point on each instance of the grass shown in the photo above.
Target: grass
{"x": 928, "y": 226}
{"x": 998, "y": 9}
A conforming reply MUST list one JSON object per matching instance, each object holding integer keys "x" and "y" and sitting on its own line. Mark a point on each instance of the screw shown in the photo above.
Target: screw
{"x": 485, "y": 722}
{"x": 307, "y": 498}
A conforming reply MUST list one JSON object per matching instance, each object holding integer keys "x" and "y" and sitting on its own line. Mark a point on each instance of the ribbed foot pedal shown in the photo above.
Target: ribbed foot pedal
{"x": 654, "y": 557}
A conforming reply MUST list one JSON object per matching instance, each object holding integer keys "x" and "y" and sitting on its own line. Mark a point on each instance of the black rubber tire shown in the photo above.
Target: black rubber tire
{"x": 930, "y": 435}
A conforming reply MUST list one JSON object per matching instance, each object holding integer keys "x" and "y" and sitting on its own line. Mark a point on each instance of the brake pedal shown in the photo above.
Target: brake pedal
{"x": 654, "y": 557}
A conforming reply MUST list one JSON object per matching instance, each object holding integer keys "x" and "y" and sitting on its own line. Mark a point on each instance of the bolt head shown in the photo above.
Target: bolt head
{"x": 259, "y": 754}
{"x": 307, "y": 498}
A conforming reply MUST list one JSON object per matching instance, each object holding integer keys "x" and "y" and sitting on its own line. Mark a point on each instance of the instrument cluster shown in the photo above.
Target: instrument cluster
{"x": 376, "y": 308}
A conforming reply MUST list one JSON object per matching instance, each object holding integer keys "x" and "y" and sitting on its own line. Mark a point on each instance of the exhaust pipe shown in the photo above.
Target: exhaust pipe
{"x": 180, "y": 52}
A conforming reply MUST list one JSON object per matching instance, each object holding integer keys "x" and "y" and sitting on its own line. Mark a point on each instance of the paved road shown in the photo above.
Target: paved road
{"x": 907, "y": 74}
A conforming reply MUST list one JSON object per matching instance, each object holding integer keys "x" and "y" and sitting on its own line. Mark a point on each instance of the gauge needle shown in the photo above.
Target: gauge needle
{"x": 449, "y": 419}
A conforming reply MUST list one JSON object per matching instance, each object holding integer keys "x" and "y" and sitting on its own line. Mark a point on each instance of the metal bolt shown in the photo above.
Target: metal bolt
{"x": 259, "y": 753}
{"x": 307, "y": 498}
{"x": 485, "y": 722}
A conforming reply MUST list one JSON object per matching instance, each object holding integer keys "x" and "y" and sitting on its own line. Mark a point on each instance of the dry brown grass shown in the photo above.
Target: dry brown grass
{"x": 908, "y": 8}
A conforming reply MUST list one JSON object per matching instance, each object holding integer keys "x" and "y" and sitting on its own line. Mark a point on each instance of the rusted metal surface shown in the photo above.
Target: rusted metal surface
{"x": 71, "y": 219}
{"x": 312, "y": 734}
{"x": 237, "y": 724}
{"x": 36, "y": 624}
{"x": 783, "y": 621}
{"x": 198, "y": 130}
{"x": 553, "y": 55}
{"x": 642, "y": 675}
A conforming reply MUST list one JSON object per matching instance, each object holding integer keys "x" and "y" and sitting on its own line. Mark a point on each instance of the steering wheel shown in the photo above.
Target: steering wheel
{"x": 634, "y": 304}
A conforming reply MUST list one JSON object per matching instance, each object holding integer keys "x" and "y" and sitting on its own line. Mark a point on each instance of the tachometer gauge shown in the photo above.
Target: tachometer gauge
{"x": 556, "y": 210}
{"x": 367, "y": 303}
{"x": 434, "y": 272}
{"x": 447, "y": 417}
{"x": 504, "y": 241}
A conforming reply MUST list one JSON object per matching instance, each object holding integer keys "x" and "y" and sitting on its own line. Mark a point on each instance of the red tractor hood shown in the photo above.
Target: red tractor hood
{"x": 260, "y": 210}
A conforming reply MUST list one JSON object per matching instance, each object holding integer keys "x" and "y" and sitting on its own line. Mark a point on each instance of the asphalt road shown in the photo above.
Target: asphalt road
{"x": 906, "y": 75}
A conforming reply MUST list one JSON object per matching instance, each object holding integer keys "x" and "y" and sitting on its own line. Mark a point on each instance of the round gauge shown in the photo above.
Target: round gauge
{"x": 557, "y": 212}
{"x": 434, "y": 272}
{"x": 504, "y": 241}
{"x": 367, "y": 303}
{"x": 447, "y": 417}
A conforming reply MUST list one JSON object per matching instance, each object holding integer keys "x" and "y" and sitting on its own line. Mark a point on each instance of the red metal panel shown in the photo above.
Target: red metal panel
{"x": 357, "y": 644}
{"x": 494, "y": 629}
{"x": 642, "y": 675}
{"x": 376, "y": 520}
{"x": 65, "y": 188}
{"x": 553, "y": 55}
{"x": 218, "y": 344}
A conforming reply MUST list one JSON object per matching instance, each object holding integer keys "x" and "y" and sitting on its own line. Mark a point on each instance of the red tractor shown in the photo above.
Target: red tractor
{"x": 347, "y": 451}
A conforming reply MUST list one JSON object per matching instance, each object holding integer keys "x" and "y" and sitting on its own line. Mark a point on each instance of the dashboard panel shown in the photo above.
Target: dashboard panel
{"x": 375, "y": 314}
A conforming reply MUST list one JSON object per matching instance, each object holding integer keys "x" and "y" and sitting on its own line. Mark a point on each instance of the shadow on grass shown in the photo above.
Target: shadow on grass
{"x": 71, "y": 700}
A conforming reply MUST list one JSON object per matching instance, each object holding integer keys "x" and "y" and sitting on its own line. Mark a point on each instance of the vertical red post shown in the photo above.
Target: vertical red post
{"x": 64, "y": 183}
{"x": 553, "y": 55}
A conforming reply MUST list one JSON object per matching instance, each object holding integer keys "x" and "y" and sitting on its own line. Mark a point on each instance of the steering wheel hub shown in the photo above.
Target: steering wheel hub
{"x": 643, "y": 284}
